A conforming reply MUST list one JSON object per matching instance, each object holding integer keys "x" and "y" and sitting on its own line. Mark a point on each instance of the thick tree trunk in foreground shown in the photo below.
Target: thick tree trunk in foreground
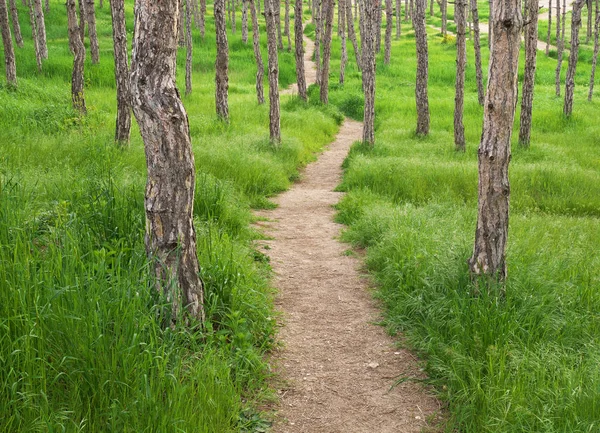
{"x": 40, "y": 28}
{"x": 222, "y": 62}
{"x": 595, "y": 57}
{"x": 477, "y": 49}
{"x": 189, "y": 47}
{"x": 14, "y": 13}
{"x": 461, "y": 64}
{"x": 163, "y": 121}
{"x": 324, "y": 90}
{"x": 531, "y": 31}
{"x": 352, "y": 33}
{"x": 298, "y": 41}
{"x": 34, "y": 35}
{"x": 245, "y": 21}
{"x": 90, "y": 10}
{"x": 9, "y": 50}
{"x": 117, "y": 10}
{"x": 368, "y": 69}
{"x": 422, "y": 69}
{"x": 344, "y": 59}
{"x": 273, "y": 68}
{"x": 76, "y": 42}
{"x": 574, "y": 54}
{"x": 388, "y": 31}
{"x": 489, "y": 253}
{"x": 260, "y": 66}
{"x": 549, "y": 27}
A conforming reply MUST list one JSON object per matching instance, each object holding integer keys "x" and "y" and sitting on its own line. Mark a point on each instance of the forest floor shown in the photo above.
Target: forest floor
{"x": 337, "y": 368}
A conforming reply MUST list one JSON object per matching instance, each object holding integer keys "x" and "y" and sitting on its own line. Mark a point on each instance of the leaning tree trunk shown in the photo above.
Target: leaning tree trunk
{"x": 595, "y": 57}
{"x": 352, "y": 33}
{"x": 90, "y": 10}
{"x": 286, "y": 29}
{"x": 9, "y": 50}
{"x": 531, "y": 31}
{"x": 14, "y": 13}
{"x": 245, "y": 21}
{"x": 368, "y": 69}
{"x": 398, "y": 18}
{"x": 574, "y": 54}
{"x": 76, "y": 42}
{"x": 34, "y": 36}
{"x": 461, "y": 63}
{"x": 388, "y": 31}
{"x": 189, "y": 47}
{"x": 549, "y": 27}
{"x": 324, "y": 90}
{"x": 422, "y": 69}
{"x": 298, "y": 41}
{"x": 477, "y": 49}
{"x": 117, "y": 10}
{"x": 561, "y": 48}
{"x": 273, "y": 68}
{"x": 489, "y": 252}
{"x": 163, "y": 121}
{"x": 41, "y": 28}
{"x": 222, "y": 62}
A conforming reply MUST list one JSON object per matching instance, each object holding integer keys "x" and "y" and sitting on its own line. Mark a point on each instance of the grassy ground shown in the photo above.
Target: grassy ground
{"x": 82, "y": 347}
{"x": 525, "y": 363}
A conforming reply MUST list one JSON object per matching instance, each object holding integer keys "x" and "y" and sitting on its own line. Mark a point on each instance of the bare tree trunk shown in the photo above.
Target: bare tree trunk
{"x": 277, "y": 10}
{"x": 163, "y": 121}
{"x": 260, "y": 67}
{"x": 90, "y": 10}
{"x": 47, "y": 6}
{"x": 378, "y": 28}
{"x": 222, "y": 62}
{"x": 82, "y": 16}
{"x": 274, "y": 113}
{"x": 444, "y": 18}
{"x": 287, "y": 25}
{"x": 490, "y": 27}
{"x": 352, "y": 33}
{"x": 202, "y": 18}
{"x": 196, "y": 13}
{"x": 34, "y": 35}
{"x": 411, "y": 7}
{"x": 461, "y": 63}
{"x": 9, "y": 50}
{"x": 489, "y": 252}
{"x": 398, "y": 18}
{"x": 123, "y": 127}
{"x": 41, "y": 28}
{"x": 595, "y": 57}
{"x": 388, "y": 31}
{"x": 328, "y": 10}
{"x": 589, "y": 21}
{"x": 549, "y": 27}
{"x": 317, "y": 18}
{"x": 431, "y": 7}
{"x": 368, "y": 68}
{"x": 406, "y": 10}
{"x": 561, "y": 47}
{"x": 245, "y": 21}
{"x": 422, "y": 69}
{"x": 344, "y": 60}
{"x": 298, "y": 38}
{"x": 574, "y": 54}
{"x": 233, "y": 22}
{"x": 76, "y": 42}
{"x": 14, "y": 13}
{"x": 181, "y": 28}
{"x": 477, "y": 49}
{"x": 531, "y": 32}
{"x": 188, "y": 47}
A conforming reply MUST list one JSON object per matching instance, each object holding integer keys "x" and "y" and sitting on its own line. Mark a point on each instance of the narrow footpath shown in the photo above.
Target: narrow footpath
{"x": 338, "y": 369}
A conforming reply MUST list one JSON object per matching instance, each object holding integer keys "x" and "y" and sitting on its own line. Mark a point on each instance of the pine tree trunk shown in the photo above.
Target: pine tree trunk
{"x": 368, "y": 68}
{"x": 378, "y": 28}
{"x": 196, "y": 13}
{"x": 549, "y": 27}
{"x": 422, "y": 69}
{"x": 82, "y": 16}
{"x": 9, "y": 50}
{"x": 589, "y": 21}
{"x": 444, "y": 18}
{"x": 233, "y": 23}
{"x": 47, "y": 4}
{"x": 531, "y": 32}
{"x": 461, "y": 63}
{"x": 260, "y": 66}
{"x": 277, "y": 10}
{"x": 431, "y": 4}
{"x": 222, "y": 62}
{"x": 287, "y": 25}
{"x": 595, "y": 57}
{"x": 298, "y": 41}
{"x": 76, "y": 42}
{"x": 273, "y": 68}
{"x": 163, "y": 122}
{"x": 324, "y": 90}
{"x": 189, "y": 47}
{"x": 14, "y": 13}
{"x": 489, "y": 252}
{"x": 41, "y": 28}
{"x": 34, "y": 35}
{"x": 477, "y": 49}
{"x": 181, "y": 27}
{"x": 90, "y": 10}
{"x": 398, "y": 18}
{"x": 318, "y": 17}
{"x": 561, "y": 47}
{"x": 202, "y": 18}
{"x": 406, "y": 10}
{"x": 574, "y": 54}
{"x": 388, "y": 31}
{"x": 352, "y": 33}
{"x": 344, "y": 60}
{"x": 490, "y": 27}
{"x": 245, "y": 21}
{"x": 123, "y": 127}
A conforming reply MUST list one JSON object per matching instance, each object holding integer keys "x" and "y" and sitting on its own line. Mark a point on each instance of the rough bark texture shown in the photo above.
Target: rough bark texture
{"x": 233, "y": 23}
{"x": 491, "y": 4}
{"x": 324, "y": 90}
{"x": 202, "y": 18}
{"x": 123, "y": 127}
{"x": 90, "y": 11}
{"x": 274, "y": 113}
{"x": 589, "y": 21}
{"x": 596, "y": 46}
{"x": 277, "y": 11}
{"x": 461, "y": 63}
{"x": 82, "y": 15}
{"x": 189, "y": 47}
{"x": 342, "y": 30}
{"x": 477, "y": 49}
{"x": 378, "y": 28}
{"x": 245, "y": 21}
{"x": 531, "y": 32}
{"x": 489, "y": 253}
{"x": 574, "y": 54}
{"x": 41, "y": 28}
{"x": 222, "y": 62}
{"x": 422, "y": 69}
{"x": 14, "y": 13}
{"x": 286, "y": 29}
{"x": 368, "y": 69}
{"x": 169, "y": 201}
{"x": 298, "y": 32}
{"x": 549, "y": 27}
{"x": 77, "y": 95}
{"x": 9, "y": 50}
{"x": 398, "y": 18}
{"x": 260, "y": 66}
{"x": 388, "y": 31}
{"x": 352, "y": 33}
{"x": 561, "y": 48}
{"x": 444, "y": 18}
{"x": 34, "y": 35}
{"x": 317, "y": 19}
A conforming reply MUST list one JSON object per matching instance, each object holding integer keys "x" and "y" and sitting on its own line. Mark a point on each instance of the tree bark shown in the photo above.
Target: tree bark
{"x": 9, "y": 50}
{"x": 233, "y": 23}
{"x": 549, "y": 27}
{"x": 277, "y": 10}
{"x": 368, "y": 69}
{"x": 344, "y": 60}
{"x": 422, "y": 69}
{"x": 573, "y": 56}
{"x": 163, "y": 121}
{"x": 431, "y": 4}
{"x": 595, "y": 57}
{"x": 202, "y": 18}
{"x": 352, "y": 33}
{"x": 90, "y": 10}
{"x": 77, "y": 95}
{"x": 444, "y": 18}
{"x": 286, "y": 29}
{"x": 318, "y": 17}
{"x": 41, "y": 28}
{"x": 119, "y": 30}
{"x": 189, "y": 47}
{"x": 406, "y": 10}
{"x": 298, "y": 40}
{"x": 14, "y": 13}
{"x": 489, "y": 252}
{"x": 561, "y": 48}
{"x": 34, "y": 35}
{"x": 388, "y": 31}
{"x": 378, "y": 28}
{"x": 531, "y": 32}
{"x": 589, "y": 21}
{"x": 82, "y": 16}
{"x": 324, "y": 90}
{"x": 245, "y": 21}
{"x": 222, "y": 62}
{"x": 181, "y": 27}
{"x": 477, "y": 49}
{"x": 398, "y": 18}
{"x": 461, "y": 63}
{"x": 260, "y": 66}
{"x": 274, "y": 112}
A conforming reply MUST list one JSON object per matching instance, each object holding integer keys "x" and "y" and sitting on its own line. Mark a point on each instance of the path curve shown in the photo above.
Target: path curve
{"x": 337, "y": 368}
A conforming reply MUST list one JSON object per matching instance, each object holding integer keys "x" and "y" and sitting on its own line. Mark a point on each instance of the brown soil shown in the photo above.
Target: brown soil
{"x": 338, "y": 369}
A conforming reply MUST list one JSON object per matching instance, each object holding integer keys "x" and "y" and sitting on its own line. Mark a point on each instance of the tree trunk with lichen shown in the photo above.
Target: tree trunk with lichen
{"x": 9, "y": 50}
{"x": 298, "y": 41}
{"x": 573, "y": 57}
{"x": 245, "y": 21}
{"x": 461, "y": 64}
{"x": 273, "y": 69}
{"x": 422, "y": 69}
{"x": 222, "y": 63}
{"x": 123, "y": 127}
{"x": 76, "y": 42}
{"x": 531, "y": 32}
{"x": 169, "y": 199}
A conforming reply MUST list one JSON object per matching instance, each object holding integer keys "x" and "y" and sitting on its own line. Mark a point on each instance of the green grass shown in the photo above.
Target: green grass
{"x": 82, "y": 346}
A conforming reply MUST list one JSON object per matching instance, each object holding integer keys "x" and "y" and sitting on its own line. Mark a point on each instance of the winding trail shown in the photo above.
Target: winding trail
{"x": 337, "y": 368}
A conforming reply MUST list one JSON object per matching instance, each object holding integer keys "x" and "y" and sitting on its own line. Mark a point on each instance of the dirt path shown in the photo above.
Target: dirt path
{"x": 338, "y": 368}
{"x": 310, "y": 71}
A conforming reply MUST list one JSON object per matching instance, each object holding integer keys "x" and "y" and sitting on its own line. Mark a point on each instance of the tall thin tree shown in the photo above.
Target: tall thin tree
{"x": 260, "y": 67}
{"x": 90, "y": 10}
{"x": 202, "y": 24}
{"x": 77, "y": 81}
{"x": 573, "y": 57}
{"x": 388, "y": 32}
{"x": 531, "y": 33}
{"x": 245, "y": 21}
{"x": 344, "y": 58}
{"x": 222, "y": 62}
{"x": 40, "y": 25}
{"x": 9, "y": 50}
{"x": 324, "y": 90}
{"x": 398, "y": 18}
{"x": 461, "y": 64}
{"x": 34, "y": 36}
{"x": 119, "y": 30}
{"x": 352, "y": 33}
{"x": 14, "y": 14}
{"x": 189, "y": 47}
{"x": 422, "y": 98}
{"x": 298, "y": 41}
{"x": 477, "y": 49}
{"x": 274, "y": 112}
{"x": 368, "y": 69}
{"x": 561, "y": 49}
{"x": 596, "y": 46}
{"x": 286, "y": 29}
